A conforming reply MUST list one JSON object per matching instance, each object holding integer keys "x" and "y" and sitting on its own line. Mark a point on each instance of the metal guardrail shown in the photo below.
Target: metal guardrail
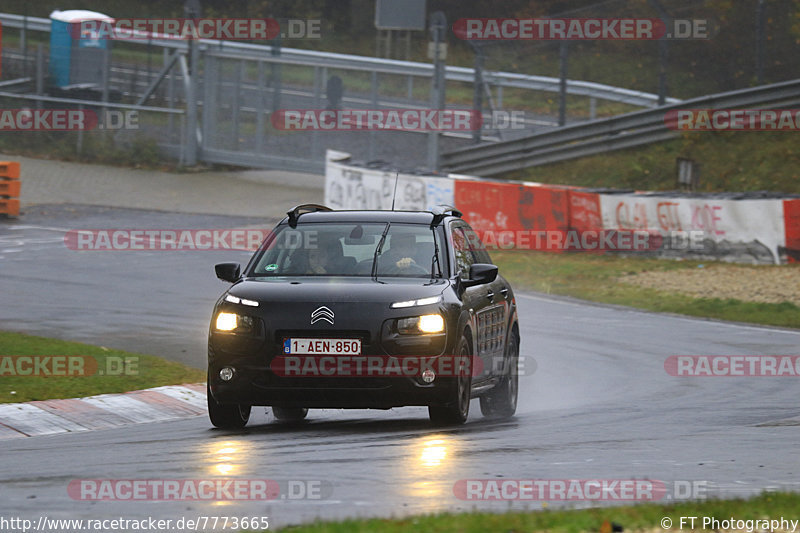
{"x": 604, "y": 135}
{"x": 374, "y": 64}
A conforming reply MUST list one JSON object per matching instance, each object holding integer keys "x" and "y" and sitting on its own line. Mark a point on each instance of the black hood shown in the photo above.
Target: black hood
{"x": 337, "y": 289}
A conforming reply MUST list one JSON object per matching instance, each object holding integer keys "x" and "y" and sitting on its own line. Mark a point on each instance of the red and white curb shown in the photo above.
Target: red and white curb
{"x": 50, "y": 417}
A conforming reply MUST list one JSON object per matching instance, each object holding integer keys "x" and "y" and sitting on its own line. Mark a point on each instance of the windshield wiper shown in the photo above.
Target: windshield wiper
{"x": 378, "y": 251}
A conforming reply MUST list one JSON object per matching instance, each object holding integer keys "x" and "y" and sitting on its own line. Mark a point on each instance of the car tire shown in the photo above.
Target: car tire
{"x": 501, "y": 401}
{"x": 289, "y": 414}
{"x": 456, "y": 411}
{"x": 226, "y": 416}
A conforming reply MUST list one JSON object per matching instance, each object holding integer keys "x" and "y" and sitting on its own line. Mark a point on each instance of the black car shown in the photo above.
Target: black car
{"x": 364, "y": 309}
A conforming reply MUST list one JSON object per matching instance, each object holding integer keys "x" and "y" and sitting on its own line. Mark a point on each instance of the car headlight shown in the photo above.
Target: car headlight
{"x": 414, "y": 303}
{"x": 421, "y": 324}
{"x": 234, "y": 323}
{"x": 236, "y": 300}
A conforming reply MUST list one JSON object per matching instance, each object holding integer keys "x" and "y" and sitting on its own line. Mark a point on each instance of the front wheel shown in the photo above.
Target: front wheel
{"x": 290, "y": 414}
{"x": 226, "y": 416}
{"x": 501, "y": 401}
{"x": 457, "y": 410}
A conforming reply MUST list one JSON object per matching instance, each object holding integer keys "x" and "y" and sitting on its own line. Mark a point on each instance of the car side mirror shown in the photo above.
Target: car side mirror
{"x": 480, "y": 274}
{"x": 228, "y": 271}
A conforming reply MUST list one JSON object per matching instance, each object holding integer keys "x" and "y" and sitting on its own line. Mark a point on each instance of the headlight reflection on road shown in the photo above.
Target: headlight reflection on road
{"x": 433, "y": 452}
{"x": 225, "y": 460}
{"x": 227, "y": 457}
{"x": 430, "y": 471}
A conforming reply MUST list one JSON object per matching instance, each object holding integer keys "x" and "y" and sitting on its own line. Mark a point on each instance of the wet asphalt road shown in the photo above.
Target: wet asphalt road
{"x": 156, "y": 302}
{"x": 599, "y": 406}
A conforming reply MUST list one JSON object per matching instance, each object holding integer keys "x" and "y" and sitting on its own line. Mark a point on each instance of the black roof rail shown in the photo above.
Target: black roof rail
{"x": 295, "y": 212}
{"x": 441, "y": 211}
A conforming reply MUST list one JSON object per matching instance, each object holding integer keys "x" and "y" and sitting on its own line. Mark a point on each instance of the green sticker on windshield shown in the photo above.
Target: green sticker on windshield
{"x": 270, "y": 268}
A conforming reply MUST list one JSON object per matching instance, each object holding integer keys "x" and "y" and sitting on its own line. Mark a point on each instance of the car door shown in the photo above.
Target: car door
{"x": 495, "y": 313}
{"x": 478, "y": 300}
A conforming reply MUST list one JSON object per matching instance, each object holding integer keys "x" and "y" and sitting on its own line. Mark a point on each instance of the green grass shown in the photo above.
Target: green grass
{"x": 730, "y": 161}
{"x": 594, "y": 278}
{"x": 645, "y": 517}
{"x": 121, "y": 371}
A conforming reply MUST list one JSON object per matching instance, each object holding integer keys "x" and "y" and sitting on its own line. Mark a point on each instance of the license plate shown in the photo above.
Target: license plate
{"x": 299, "y": 346}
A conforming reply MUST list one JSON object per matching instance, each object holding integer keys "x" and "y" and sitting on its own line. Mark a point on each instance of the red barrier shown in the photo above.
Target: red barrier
{"x": 505, "y": 214}
{"x": 791, "y": 220}
{"x": 585, "y": 214}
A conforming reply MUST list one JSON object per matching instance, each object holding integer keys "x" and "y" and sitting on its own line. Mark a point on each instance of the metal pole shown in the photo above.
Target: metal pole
{"x": 237, "y": 102}
{"x": 438, "y": 26}
{"x": 79, "y": 146}
{"x": 562, "y": 86}
{"x": 663, "y": 57}
{"x": 170, "y": 97}
{"x": 260, "y": 108}
{"x": 39, "y": 73}
{"x": 191, "y": 9}
{"x": 317, "y": 105}
{"x": 663, "y": 52}
{"x": 191, "y": 108}
{"x": 210, "y": 98}
{"x": 23, "y": 41}
{"x": 477, "y": 89}
{"x": 374, "y": 100}
{"x": 760, "y": 34}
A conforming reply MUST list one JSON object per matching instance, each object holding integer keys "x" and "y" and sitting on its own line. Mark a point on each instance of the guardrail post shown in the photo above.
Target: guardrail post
{"x": 477, "y": 88}
{"x": 39, "y": 73}
{"x": 9, "y": 188}
{"x": 562, "y": 92}
{"x": 438, "y": 26}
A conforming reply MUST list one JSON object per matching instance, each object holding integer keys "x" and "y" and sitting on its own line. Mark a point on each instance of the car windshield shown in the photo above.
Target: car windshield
{"x": 353, "y": 249}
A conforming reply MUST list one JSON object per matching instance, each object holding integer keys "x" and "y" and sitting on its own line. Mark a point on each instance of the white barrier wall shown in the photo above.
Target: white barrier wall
{"x": 349, "y": 187}
{"x": 740, "y": 226}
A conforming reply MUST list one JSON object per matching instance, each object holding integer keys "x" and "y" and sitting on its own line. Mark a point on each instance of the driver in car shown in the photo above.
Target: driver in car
{"x": 401, "y": 254}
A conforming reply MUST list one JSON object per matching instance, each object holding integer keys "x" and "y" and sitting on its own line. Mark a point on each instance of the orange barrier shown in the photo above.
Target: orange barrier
{"x": 791, "y": 219}
{"x": 9, "y": 188}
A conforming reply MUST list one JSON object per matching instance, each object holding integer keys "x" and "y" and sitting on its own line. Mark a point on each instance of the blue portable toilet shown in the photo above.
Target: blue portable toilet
{"x": 76, "y": 59}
